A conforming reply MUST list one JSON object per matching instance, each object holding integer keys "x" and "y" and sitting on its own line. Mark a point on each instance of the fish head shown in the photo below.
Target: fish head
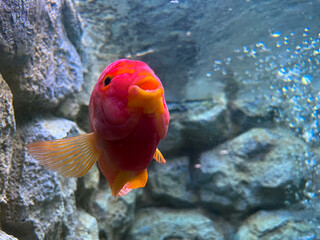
{"x": 124, "y": 92}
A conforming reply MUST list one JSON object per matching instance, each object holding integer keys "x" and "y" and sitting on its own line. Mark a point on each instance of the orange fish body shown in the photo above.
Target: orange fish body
{"x": 128, "y": 116}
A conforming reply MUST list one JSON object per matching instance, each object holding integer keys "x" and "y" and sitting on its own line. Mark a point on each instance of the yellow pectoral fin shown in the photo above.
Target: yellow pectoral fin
{"x": 159, "y": 157}
{"x": 127, "y": 180}
{"x": 70, "y": 157}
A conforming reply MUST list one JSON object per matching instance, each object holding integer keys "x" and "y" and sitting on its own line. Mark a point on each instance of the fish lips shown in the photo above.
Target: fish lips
{"x": 146, "y": 94}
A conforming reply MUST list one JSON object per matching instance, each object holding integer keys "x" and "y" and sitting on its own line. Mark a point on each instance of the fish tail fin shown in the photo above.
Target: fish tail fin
{"x": 127, "y": 180}
{"x": 70, "y": 157}
{"x": 159, "y": 157}
{"x": 120, "y": 181}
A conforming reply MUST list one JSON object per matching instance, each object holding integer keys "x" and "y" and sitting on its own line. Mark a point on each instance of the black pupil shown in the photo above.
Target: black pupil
{"x": 107, "y": 81}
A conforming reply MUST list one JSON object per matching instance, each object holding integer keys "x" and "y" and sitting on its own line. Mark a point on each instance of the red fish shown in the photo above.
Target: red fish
{"x": 128, "y": 116}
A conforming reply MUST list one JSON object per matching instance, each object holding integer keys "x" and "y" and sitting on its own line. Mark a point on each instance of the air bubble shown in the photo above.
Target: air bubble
{"x": 310, "y": 99}
{"x": 306, "y": 79}
{"x": 260, "y": 44}
{"x": 276, "y": 34}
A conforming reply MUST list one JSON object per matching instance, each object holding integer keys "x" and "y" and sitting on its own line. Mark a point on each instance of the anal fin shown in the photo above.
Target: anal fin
{"x": 127, "y": 180}
{"x": 70, "y": 157}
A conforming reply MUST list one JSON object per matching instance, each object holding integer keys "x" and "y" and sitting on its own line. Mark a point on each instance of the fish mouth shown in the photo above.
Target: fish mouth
{"x": 147, "y": 94}
{"x": 147, "y": 84}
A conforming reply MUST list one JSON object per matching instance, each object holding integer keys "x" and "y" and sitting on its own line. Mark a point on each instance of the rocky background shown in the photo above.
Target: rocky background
{"x": 242, "y": 149}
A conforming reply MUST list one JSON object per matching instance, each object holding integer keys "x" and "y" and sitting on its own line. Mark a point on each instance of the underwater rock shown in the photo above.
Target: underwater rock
{"x": 7, "y": 129}
{"x": 39, "y": 203}
{"x": 275, "y": 225}
{"x": 18, "y": 23}
{"x": 252, "y": 106}
{"x": 70, "y": 108}
{"x": 168, "y": 184}
{"x": 87, "y": 228}
{"x": 72, "y": 23}
{"x": 205, "y": 124}
{"x": 258, "y": 169}
{"x": 88, "y": 186}
{"x": 174, "y": 142}
{"x": 41, "y": 65}
{"x": 114, "y": 217}
{"x": 249, "y": 111}
{"x": 98, "y": 49}
{"x": 82, "y": 118}
{"x": 4, "y": 236}
{"x": 196, "y": 125}
{"x": 170, "y": 224}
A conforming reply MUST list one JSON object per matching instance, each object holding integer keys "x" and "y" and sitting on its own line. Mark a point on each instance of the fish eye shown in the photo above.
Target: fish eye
{"x": 106, "y": 81}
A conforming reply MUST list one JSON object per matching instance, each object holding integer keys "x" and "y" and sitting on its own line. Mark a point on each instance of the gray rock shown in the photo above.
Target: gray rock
{"x": 18, "y": 31}
{"x": 275, "y": 226}
{"x": 7, "y": 129}
{"x": 205, "y": 124}
{"x": 39, "y": 203}
{"x": 114, "y": 216}
{"x": 196, "y": 125}
{"x": 168, "y": 184}
{"x": 72, "y": 23}
{"x": 174, "y": 142}
{"x": 259, "y": 169}
{"x": 169, "y": 224}
{"x": 41, "y": 65}
{"x": 99, "y": 49}
{"x": 83, "y": 117}
{"x": 4, "y": 236}
{"x": 87, "y": 228}
{"x": 70, "y": 108}
{"x": 88, "y": 186}
{"x": 252, "y": 105}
